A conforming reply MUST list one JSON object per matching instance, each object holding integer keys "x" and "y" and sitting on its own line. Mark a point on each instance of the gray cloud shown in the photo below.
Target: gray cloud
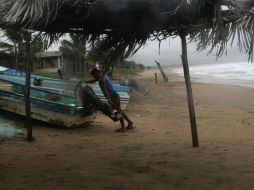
{"x": 170, "y": 53}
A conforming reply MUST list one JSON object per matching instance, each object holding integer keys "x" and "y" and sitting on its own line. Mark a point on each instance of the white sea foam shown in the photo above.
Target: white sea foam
{"x": 238, "y": 73}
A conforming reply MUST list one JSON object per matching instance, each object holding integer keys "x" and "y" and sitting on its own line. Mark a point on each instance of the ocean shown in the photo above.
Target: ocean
{"x": 237, "y": 73}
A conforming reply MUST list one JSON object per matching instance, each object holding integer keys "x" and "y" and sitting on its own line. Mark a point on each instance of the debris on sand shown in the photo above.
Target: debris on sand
{"x": 8, "y": 132}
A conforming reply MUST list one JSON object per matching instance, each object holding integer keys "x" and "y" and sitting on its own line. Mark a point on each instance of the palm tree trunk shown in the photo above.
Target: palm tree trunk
{"x": 82, "y": 65}
{"x": 77, "y": 69}
{"x": 112, "y": 70}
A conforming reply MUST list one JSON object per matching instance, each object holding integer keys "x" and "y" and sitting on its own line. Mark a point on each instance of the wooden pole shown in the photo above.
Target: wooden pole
{"x": 27, "y": 38}
{"x": 156, "y": 78}
{"x": 162, "y": 72}
{"x": 16, "y": 57}
{"x": 194, "y": 132}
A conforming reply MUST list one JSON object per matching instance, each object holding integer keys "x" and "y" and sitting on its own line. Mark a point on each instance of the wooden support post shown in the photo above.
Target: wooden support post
{"x": 162, "y": 72}
{"x": 27, "y": 38}
{"x": 155, "y": 78}
{"x": 194, "y": 132}
{"x": 16, "y": 57}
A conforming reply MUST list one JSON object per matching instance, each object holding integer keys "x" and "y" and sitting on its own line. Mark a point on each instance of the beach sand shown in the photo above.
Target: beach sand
{"x": 157, "y": 155}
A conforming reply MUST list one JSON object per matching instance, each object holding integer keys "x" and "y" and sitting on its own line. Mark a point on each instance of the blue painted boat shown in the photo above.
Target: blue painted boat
{"x": 49, "y": 106}
{"x": 56, "y": 83}
{"x": 13, "y": 72}
{"x": 64, "y": 87}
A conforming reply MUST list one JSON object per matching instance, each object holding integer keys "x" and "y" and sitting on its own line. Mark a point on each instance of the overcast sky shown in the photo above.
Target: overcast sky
{"x": 170, "y": 53}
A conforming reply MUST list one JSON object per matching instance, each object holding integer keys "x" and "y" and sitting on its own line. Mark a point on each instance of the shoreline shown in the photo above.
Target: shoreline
{"x": 241, "y": 95}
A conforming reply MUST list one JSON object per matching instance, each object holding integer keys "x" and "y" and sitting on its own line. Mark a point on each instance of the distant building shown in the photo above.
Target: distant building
{"x": 48, "y": 61}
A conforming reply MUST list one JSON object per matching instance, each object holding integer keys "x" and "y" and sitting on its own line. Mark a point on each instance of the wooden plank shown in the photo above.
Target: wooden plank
{"x": 4, "y": 86}
{"x": 194, "y": 132}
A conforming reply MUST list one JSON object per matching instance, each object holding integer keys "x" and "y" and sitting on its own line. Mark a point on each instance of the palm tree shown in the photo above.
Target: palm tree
{"x": 74, "y": 51}
{"x": 12, "y": 43}
{"x": 98, "y": 53}
{"x": 103, "y": 55}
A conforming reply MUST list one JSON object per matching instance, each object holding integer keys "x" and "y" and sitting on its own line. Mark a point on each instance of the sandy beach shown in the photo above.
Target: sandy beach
{"x": 157, "y": 155}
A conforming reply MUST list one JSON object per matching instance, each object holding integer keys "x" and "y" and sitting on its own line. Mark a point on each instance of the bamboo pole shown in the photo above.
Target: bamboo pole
{"x": 27, "y": 38}
{"x": 194, "y": 132}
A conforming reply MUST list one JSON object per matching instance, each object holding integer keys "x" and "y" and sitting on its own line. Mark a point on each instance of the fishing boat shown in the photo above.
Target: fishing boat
{"x": 52, "y": 107}
{"x": 57, "y": 83}
{"x": 65, "y": 87}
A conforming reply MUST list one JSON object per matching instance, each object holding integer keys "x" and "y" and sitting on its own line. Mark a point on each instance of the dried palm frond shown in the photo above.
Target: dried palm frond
{"x": 126, "y": 25}
{"x": 236, "y": 26}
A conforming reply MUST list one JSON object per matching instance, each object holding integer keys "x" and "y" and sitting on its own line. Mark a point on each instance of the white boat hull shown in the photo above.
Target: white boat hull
{"x": 60, "y": 119}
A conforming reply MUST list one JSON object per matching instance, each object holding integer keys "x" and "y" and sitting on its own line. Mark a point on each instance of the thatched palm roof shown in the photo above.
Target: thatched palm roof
{"x": 127, "y": 23}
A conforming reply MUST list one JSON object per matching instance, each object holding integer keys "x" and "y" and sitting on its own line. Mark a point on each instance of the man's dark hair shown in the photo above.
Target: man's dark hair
{"x": 95, "y": 71}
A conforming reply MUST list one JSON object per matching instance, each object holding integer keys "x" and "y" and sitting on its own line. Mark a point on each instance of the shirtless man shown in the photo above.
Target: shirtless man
{"x": 112, "y": 96}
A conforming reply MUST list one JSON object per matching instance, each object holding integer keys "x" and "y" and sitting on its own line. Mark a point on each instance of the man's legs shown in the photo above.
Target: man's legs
{"x": 130, "y": 123}
{"x": 122, "y": 129}
{"x": 116, "y": 105}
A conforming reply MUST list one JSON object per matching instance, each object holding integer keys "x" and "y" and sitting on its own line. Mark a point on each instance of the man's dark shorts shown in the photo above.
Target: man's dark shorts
{"x": 116, "y": 101}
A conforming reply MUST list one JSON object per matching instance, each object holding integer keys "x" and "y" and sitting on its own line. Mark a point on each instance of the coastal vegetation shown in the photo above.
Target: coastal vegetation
{"x": 12, "y": 47}
{"x": 76, "y": 52}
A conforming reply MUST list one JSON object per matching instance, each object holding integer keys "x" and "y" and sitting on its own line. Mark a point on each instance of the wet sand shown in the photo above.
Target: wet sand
{"x": 158, "y": 154}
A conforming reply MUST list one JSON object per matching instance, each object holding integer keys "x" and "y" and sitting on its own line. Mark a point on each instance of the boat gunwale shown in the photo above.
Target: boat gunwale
{"x": 37, "y": 88}
{"x": 41, "y": 99}
{"x": 57, "y": 91}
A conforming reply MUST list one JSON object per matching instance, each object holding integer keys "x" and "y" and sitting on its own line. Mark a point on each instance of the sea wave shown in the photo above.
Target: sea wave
{"x": 237, "y": 73}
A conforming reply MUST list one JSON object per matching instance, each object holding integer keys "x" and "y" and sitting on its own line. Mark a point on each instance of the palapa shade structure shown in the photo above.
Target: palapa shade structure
{"x": 126, "y": 25}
